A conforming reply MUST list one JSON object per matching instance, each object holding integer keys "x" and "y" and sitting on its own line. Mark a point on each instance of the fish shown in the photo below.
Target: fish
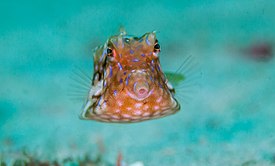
{"x": 262, "y": 51}
{"x": 128, "y": 84}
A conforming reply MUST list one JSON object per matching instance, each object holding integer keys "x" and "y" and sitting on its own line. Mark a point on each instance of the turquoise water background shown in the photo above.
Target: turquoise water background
{"x": 228, "y": 121}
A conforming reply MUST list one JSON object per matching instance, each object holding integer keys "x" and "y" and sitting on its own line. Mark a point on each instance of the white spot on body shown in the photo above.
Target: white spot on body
{"x": 96, "y": 90}
{"x": 169, "y": 85}
{"x": 117, "y": 111}
{"x": 103, "y": 106}
{"x": 97, "y": 110}
{"x": 146, "y": 107}
{"x": 146, "y": 114}
{"x": 138, "y": 105}
{"x": 159, "y": 99}
{"x": 115, "y": 116}
{"x": 137, "y": 112}
{"x": 119, "y": 103}
{"x": 101, "y": 101}
{"x": 128, "y": 108}
{"x": 156, "y": 107}
{"x": 126, "y": 115}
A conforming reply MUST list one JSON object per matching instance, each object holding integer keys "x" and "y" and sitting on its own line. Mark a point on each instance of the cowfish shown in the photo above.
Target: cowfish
{"x": 128, "y": 84}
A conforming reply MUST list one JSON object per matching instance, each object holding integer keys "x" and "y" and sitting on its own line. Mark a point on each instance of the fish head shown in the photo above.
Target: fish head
{"x": 132, "y": 87}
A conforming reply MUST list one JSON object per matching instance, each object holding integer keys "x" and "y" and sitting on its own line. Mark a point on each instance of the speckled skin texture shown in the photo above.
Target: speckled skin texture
{"x": 128, "y": 83}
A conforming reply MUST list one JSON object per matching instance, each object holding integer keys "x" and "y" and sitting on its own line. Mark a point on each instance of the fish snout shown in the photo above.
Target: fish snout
{"x": 139, "y": 85}
{"x": 141, "y": 89}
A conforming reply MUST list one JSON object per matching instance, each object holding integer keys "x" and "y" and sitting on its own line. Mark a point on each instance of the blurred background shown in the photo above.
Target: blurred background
{"x": 229, "y": 119}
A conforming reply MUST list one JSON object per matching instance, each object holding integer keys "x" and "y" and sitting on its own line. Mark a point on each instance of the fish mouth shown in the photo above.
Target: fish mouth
{"x": 140, "y": 90}
{"x": 139, "y": 86}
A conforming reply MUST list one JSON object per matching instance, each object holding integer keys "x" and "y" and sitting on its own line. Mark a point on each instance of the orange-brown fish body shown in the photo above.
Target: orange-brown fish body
{"x": 128, "y": 83}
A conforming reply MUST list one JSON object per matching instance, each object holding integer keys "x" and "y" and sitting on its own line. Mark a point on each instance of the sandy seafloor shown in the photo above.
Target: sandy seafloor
{"x": 229, "y": 119}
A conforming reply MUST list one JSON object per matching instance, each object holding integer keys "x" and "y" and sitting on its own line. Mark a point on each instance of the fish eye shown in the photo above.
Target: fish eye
{"x": 110, "y": 52}
{"x": 127, "y": 40}
{"x": 157, "y": 48}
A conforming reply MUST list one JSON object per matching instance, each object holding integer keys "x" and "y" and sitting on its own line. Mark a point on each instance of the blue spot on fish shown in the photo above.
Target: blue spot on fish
{"x": 116, "y": 43}
{"x": 135, "y": 84}
{"x": 152, "y": 69}
{"x": 147, "y": 41}
{"x": 115, "y": 92}
{"x": 127, "y": 79}
{"x": 111, "y": 72}
{"x": 99, "y": 101}
{"x": 143, "y": 55}
{"x": 160, "y": 85}
{"x": 131, "y": 51}
{"x": 138, "y": 47}
{"x": 158, "y": 67}
{"x": 151, "y": 78}
{"x": 119, "y": 65}
{"x": 135, "y": 60}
